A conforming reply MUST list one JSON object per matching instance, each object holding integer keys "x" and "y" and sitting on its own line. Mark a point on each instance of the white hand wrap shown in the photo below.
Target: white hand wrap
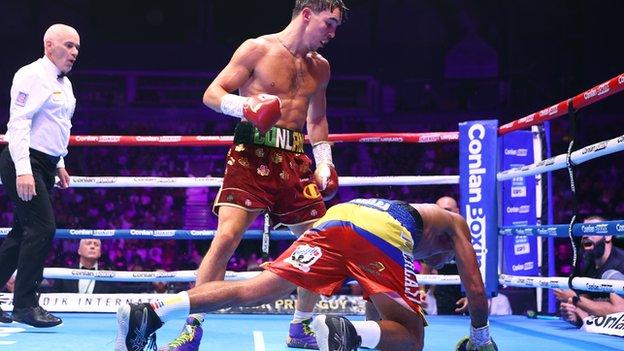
{"x": 480, "y": 336}
{"x": 232, "y": 105}
{"x": 322, "y": 153}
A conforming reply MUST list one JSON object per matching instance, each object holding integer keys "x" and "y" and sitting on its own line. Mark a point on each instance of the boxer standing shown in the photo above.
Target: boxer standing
{"x": 281, "y": 81}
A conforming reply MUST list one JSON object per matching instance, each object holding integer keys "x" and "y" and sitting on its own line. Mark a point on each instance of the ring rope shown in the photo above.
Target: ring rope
{"x": 615, "y": 227}
{"x": 215, "y": 140}
{"x": 576, "y": 283}
{"x": 587, "y": 153}
{"x": 586, "y": 98}
{"x": 178, "y": 234}
{"x": 191, "y": 276}
{"x": 580, "y": 283}
{"x": 215, "y": 182}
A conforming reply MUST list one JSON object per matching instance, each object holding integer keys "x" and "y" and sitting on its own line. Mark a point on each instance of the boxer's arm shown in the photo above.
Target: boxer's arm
{"x": 262, "y": 110}
{"x": 469, "y": 273}
{"x": 316, "y": 122}
{"x": 601, "y": 308}
{"x": 317, "y": 127}
{"x": 235, "y": 74}
{"x": 470, "y": 276}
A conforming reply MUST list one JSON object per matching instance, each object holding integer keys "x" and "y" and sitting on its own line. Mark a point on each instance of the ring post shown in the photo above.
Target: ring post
{"x": 477, "y": 188}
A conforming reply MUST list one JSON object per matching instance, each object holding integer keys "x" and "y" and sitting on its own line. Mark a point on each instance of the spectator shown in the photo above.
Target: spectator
{"x": 89, "y": 253}
{"x": 600, "y": 260}
{"x": 159, "y": 287}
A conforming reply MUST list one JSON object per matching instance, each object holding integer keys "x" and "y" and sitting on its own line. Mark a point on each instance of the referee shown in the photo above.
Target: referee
{"x": 42, "y": 105}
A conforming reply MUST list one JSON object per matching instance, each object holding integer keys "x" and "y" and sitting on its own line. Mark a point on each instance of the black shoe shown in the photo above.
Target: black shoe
{"x": 335, "y": 333}
{"x": 4, "y": 317}
{"x": 35, "y": 316}
{"x": 136, "y": 324}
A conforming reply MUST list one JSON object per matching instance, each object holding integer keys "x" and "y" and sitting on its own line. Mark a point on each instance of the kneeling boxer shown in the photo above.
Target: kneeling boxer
{"x": 374, "y": 241}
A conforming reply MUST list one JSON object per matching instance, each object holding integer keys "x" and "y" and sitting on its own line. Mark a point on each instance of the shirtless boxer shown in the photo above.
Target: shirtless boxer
{"x": 281, "y": 81}
{"x": 374, "y": 241}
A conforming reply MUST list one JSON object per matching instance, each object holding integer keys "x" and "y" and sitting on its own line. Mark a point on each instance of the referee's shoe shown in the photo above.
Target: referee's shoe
{"x": 36, "y": 316}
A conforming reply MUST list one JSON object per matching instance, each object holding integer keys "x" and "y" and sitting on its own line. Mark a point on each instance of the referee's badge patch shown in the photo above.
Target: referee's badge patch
{"x": 21, "y": 99}
{"x": 304, "y": 256}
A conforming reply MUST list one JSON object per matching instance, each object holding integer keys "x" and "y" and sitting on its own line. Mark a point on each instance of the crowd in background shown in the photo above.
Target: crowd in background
{"x": 172, "y": 208}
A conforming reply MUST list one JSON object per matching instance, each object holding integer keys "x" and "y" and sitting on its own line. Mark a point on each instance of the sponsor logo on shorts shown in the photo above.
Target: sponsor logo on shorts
{"x": 311, "y": 191}
{"x": 304, "y": 257}
{"x": 374, "y": 203}
{"x": 374, "y": 268}
{"x": 409, "y": 282}
{"x": 280, "y": 138}
{"x": 621, "y": 79}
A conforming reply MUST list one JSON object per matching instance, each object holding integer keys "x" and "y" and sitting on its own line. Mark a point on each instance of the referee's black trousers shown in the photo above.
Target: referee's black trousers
{"x": 29, "y": 241}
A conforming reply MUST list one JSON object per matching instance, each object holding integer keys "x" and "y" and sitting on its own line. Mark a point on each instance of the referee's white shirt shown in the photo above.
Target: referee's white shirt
{"x": 41, "y": 109}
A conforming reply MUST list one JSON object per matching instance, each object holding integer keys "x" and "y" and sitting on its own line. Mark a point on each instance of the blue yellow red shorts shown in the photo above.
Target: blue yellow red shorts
{"x": 261, "y": 178}
{"x": 322, "y": 258}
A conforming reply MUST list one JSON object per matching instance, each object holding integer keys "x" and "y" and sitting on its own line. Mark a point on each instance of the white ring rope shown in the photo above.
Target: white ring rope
{"x": 200, "y": 182}
{"x": 190, "y": 276}
{"x": 587, "y": 153}
{"x": 580, "y": 283}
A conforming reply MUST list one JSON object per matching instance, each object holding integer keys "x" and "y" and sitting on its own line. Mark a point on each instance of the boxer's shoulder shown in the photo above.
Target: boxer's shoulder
{"x": 256, "y": 46}
{"x": 317, "y": 58}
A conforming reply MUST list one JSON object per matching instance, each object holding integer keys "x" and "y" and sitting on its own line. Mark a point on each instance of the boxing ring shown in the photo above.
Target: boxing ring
{"x": 89, "y": 324}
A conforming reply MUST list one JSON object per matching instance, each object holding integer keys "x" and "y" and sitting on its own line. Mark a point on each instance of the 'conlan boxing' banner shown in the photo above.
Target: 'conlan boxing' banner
{"x": 477, "y": 187}
{"x": 518, "y": 204}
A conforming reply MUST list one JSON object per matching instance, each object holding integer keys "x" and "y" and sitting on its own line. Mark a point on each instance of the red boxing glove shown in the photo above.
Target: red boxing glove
{"x": 326, "y": 180}
{"x": 263, "y": 111}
